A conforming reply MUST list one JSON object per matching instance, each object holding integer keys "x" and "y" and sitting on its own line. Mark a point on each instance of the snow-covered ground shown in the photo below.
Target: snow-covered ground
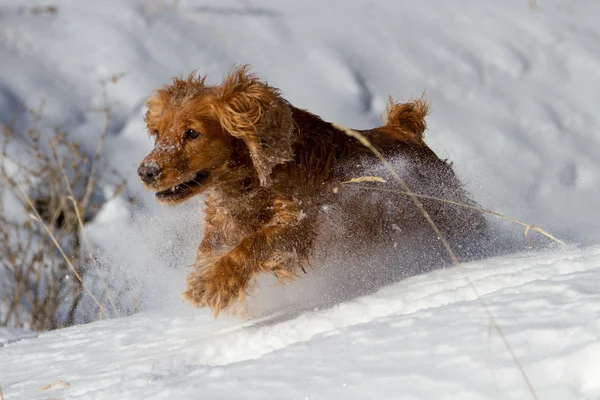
{"x": 427, "y": 337}
{"x": 514, "y": 92}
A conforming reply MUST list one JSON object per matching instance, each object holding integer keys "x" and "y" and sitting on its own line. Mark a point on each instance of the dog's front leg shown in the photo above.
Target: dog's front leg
{"x": 215, "y": 222}
{"x": 278, "y": 247}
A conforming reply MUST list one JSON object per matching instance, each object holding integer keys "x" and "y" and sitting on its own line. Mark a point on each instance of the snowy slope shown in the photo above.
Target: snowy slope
{"x": 426, "y": 337}
{"x": 514, "y": 94}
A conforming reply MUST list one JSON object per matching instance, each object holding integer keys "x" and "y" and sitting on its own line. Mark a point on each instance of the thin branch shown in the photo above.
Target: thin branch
{"x": 528, "y": 227}
{"x": 82, "y": 228}
{"x": 491, "y": 360}
{"x": 91, "y": 184}
{"x": 363, "y": 140}
{"x": 58, "y": 246}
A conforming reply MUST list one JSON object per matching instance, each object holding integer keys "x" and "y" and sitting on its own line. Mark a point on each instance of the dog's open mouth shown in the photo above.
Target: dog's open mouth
{"x": 183, "y": 189}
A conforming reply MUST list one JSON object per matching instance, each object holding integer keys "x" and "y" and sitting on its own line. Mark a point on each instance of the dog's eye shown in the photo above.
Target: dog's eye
{"x": 191, "y": 134}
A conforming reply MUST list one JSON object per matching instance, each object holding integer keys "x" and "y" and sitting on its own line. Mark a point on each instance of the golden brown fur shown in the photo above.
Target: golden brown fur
{"x": 268, "y": 169}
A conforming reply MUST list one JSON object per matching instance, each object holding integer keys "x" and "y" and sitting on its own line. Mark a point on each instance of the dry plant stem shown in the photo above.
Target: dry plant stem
{"x": 92, "y": 181}
{"x": 363, "y": 140}
{"x": 55, "y": 384}
{"x": 60, "y": 249}
{"x": 1, "y": 395}
{"x": 81, "y": 227}
{"x": 36, "y": 276}
{"x": 365, "y": 179}
{"x": 491, "y": 360}
{"x": 527, "y": 226}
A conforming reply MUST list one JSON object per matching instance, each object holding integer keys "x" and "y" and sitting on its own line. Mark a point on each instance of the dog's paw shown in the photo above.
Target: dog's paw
{"x": 284, "y": 276}
{"x": 282, "y": 264}
{"x": 216, "y": 286}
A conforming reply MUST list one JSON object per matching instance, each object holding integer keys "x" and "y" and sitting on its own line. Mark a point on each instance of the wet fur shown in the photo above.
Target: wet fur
{"x": 272, "y": 170}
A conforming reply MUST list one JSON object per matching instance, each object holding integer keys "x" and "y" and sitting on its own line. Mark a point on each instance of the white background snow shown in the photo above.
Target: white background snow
{"x": 515, "y": 94}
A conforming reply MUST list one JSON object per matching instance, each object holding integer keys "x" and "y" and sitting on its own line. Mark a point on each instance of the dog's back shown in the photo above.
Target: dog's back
{"x": 366, "y": 216}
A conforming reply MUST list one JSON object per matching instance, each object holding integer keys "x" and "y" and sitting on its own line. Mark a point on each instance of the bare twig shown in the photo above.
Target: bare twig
{"x": 491, "y": 360}
{"x": 38, "y": 218}
{"x": 91, "y": 184}
{"x": 96, "y": 160}
{"x": 82, "y": 228}
{"x": 38, "y": 282}
{"x": 528, "y": 227}
{"x": 365, "y": 179}
{"x": 363, "y": 140}
{"x": 55, "y": 384}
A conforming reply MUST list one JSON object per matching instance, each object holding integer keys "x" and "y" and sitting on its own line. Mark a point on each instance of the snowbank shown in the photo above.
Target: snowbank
{"x": 426, "y": 337}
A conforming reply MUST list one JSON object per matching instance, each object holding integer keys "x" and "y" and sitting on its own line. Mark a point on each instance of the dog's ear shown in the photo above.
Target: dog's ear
{"x": 155, "y": 104}
{"x": 256, "y": 113}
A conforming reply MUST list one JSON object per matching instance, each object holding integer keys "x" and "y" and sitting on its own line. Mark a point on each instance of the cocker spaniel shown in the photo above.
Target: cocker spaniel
{"x": 271, "y": 172}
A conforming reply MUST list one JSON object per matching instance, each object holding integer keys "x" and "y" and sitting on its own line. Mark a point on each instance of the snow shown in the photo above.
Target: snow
{"x": 425, "y": 337}
{"x": 514, "y": 94}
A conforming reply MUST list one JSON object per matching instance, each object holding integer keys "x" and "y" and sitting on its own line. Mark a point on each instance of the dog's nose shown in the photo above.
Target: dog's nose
{"x": 149, "y": 172}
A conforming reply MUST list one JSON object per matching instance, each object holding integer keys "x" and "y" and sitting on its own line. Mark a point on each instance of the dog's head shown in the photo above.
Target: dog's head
{"x": 202, "y": 132}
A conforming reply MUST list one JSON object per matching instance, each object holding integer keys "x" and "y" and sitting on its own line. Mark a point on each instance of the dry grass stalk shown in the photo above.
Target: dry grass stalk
{"x": 82, "y": 230}
{"x": 361, "y": 179}
{"x": 528, "y": 227}
{"x": 415, "y": 199}
{"x": 491, "y": 360}
{"x": 55, "y": 384}
{"x": 363, "y": 140}
{"x": 38, "y": 218}
{"x": 365, "y": 179}
{"x": 26, "y": 250}
{"x": 44, "y": 263}
{"x": 91, "y": 185}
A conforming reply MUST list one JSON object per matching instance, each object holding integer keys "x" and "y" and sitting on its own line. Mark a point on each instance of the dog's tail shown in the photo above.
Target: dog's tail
{"x": 409, "y": 118}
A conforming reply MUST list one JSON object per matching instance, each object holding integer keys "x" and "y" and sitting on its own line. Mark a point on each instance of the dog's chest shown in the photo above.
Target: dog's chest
{"x": 242, "y": 216}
